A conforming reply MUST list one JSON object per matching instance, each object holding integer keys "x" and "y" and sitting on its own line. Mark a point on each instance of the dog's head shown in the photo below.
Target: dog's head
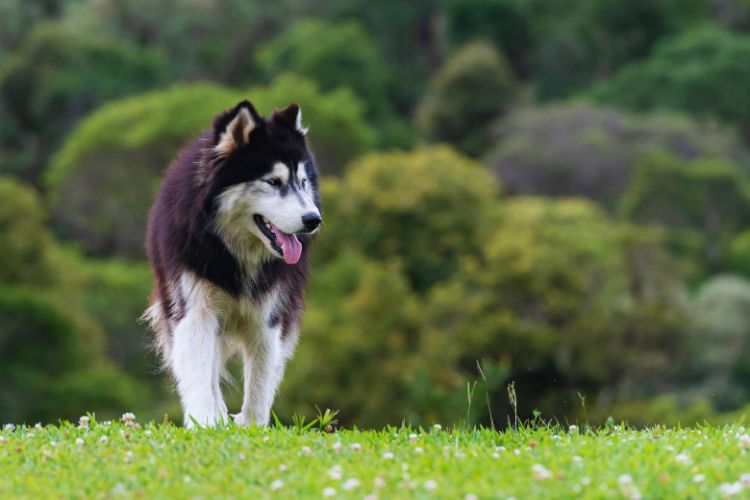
{"x": 263, "y": 180}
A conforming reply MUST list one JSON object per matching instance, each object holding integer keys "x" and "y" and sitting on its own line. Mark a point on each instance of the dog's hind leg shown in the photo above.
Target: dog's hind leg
{"x": 196, "y": 356}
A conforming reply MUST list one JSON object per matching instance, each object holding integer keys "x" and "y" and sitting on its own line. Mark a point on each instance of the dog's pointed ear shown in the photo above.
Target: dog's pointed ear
{"x": 232, "y": 128}
{"x": 291, "y": 116}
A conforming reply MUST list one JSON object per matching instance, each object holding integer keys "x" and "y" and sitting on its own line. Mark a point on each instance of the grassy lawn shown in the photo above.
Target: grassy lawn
{"x": 160, "y": 460}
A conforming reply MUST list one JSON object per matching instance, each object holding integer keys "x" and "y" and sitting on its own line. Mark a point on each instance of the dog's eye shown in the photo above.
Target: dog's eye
{"x": 304, "y": 182}
{"x": 274, "y": 181}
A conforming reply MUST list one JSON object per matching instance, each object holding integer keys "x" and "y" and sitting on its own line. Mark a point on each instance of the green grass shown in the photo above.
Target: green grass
{"x": 162, "y": 460}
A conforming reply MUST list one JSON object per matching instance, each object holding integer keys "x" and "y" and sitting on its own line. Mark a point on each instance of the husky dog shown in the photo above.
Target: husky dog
{"x": 228, "y": 237}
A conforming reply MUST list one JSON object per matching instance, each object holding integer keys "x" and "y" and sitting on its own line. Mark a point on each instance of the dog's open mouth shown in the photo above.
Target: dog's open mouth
{"x": 286, "y": 245}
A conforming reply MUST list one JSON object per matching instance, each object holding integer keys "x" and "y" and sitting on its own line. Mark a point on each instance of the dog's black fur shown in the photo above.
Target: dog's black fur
{"x": 181, "y": 233}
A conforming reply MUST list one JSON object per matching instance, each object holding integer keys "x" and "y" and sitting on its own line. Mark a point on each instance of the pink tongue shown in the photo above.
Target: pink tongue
{"x": 290, "y": 245}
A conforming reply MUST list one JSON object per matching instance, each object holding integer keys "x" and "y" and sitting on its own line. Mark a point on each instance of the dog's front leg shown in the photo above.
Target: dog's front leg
{"x": 264, "y": 367}
{"x": 196, "y": 362}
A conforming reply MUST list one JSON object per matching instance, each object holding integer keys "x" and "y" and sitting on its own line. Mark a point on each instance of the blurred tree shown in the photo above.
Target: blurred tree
{"x": 718, "y": 339}
{"x": 424, "y": 208}
{"x": 203, "y": 39}
{"x": 467, "y": 93}
{"x": 569, "y": 300}
{"x": 575, "y": 44}
{"x": 506, "y": 23}
{"x": 51, "y": 364}
{"x": 738, "y": 255}
{"x": 697, "y": 72}
{"x": 17, "y": 18}
{"x": 581, "y": 150}
{"x": 334, "y": 56}
{"x": 734, "y": 14}
{"x": 709, "y": 198}
{"x": 103, "y": 180}
{"x": 24, "y": 237}
{"x": 52, "y": 80}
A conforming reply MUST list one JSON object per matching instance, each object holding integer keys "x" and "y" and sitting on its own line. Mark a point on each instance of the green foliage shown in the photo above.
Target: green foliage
{"x": 103, "y": 180}
{"x": 50, "y": 364}
{"x": 338, "y": 55}
{"x": 424, "y": 208}
{"x": 697, "y": 72}
{"x": 577, "y": 43}
{"x": 718, "y": 339}
{"x": 561, "y": 293}
{"x": 202, "y": 40}
{"x": 24, "y": 237}
{"x": 738, "y": 255}
{"x": 582, "y": 150}
{"x": 467, "y": 93}
{"x": 52, "y": 80}
{"x": 705, "y": 198}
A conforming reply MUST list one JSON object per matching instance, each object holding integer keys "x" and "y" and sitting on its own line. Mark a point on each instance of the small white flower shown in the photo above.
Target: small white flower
{"x": 83, "y": 422}
{"x": 3, "y": 439}
{"x": 500, "y": 448}
{"x": 147, "y": 432}
{"x": 625, "y": 479}
{"x": 265, "y": 439}
{"x": 128, "y": 456}
{"x": 283, "y": 467}
{"x": 379, "y": 482}
{"x": 79, "y": 442}
{"x": 699, "y": 478}
{"x": 9, "y": 427}
{"x": 306, "y": 450}
{"x": 277, "y": 484}
{"x": 38, "y": 426}
{"x": 350, "y": 484}
{"x": 241, "y": 457}
{"x": 336, "y": 446}
{"x": 471, "y": 496}
{"x": 516, "y": 452}
{"x": 585, "y": 480}
{"x": 103, "y": 439}
{"x": 128, "y": 417}
{"x": 683, "y": 458}
{"x": 744, "y": 441}
{"x": 107, "y": 423}
{"x": 413, "y": 438}
{"x": 418, "y": 449}
{"x": 577, "y": 459}
{"x": 745, "y": 480}
{"x": 371, "y": 496}
{"x": 329, "y": 492}
{"x": 627, "y": 488}
{"x": 730, "y": 489}
{"x": 355, "y": 446}
{"x": 430, "y": 485}
{"x": 388, "y": 455}
{"x": 336, "y": 472}
{"x": 573, "y": 428}
{"x": 437, "y": 427}
{"x": 496, "y": 455}
{"x": 540, "y": 472}
{"x": 30, "y": 435}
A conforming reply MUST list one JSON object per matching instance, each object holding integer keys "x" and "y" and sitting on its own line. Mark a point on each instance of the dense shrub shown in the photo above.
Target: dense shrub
{"x": 24, "y": 238}
{"x": 103, "y": 180}
{"x": 718, "y": 337}
{"x": 568, "y": 300}
{"x": 697, "y": 72}
{"x": 52, "y": 80}
{"x": 51, "y": 365}
{"x": 465, "y": 95}
{"x": 704, "y": 201}
{"x": 581, "y": 150}
{"x": 425, "y": 208}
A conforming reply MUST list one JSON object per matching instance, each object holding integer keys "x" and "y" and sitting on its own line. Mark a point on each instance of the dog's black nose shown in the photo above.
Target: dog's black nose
{"x": 311, "y": 220}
